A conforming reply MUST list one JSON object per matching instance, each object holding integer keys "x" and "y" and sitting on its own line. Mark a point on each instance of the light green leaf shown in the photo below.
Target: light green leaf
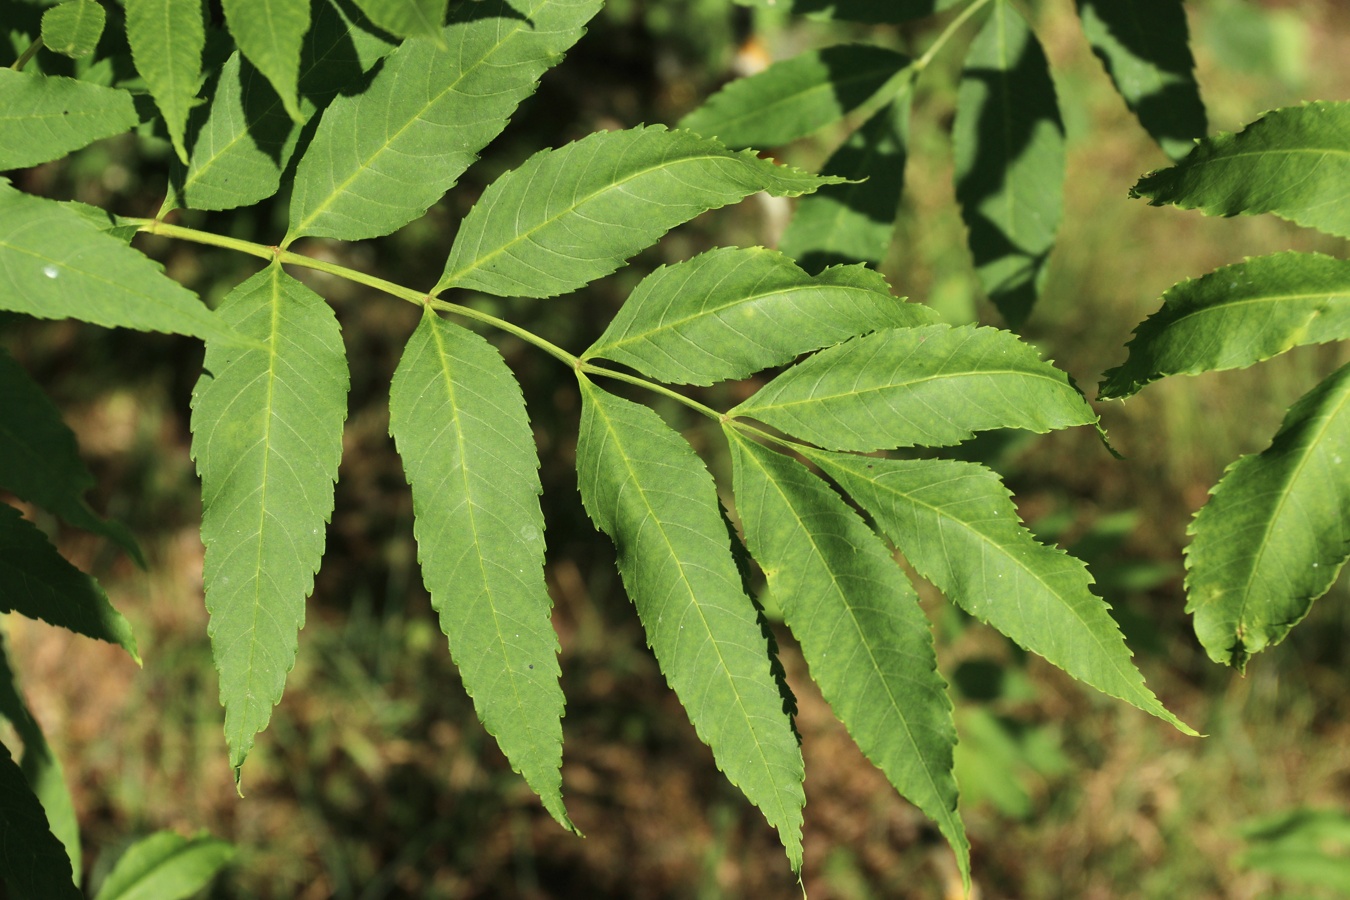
{"x": 859, "y": 624}
{"x": 39, "y": 459}
{"x": 569, "y": 216}
{"x": 380, "y": 158}
{"x": 1008, "y": 143}
{"x": 1143, "y": 45}
{"x": 37, "y": 582}
{"x": 931, "y": 386}
{"x": 645, "y": 488}
{"x": 74, "y": 27}
{"x": 270, "y": 33}
{"x": 861, "y": 10}
{"x": 459, "y": 421}
{"x": 853, "y": 222}
{"x": 55, "y": 264}
{"x": 32, "y": 861}
{"x": 1276, "y": 531}
{"x": 730, "y": 312}
{"x": 956, "y": 524}
{"x": 44, "y": 117}
{"x": 408, "y": 18}
{"x": 792, "y": 98}
{"x": 166, "y": 38}
{"x": 166, "y": 866}
{"x": 1293, "y": 162}
{"x": 1236, "y": 316}
{"x": 267, "y": 438}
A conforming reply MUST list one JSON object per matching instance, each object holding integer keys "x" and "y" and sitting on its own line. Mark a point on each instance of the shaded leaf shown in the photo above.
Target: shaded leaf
{"x": 44, "y": 117}
{"x": 32, "y": 861}
{"x": 407, "y": 18}
{"x": 166, "y": 866}
{"x": 862, "y": 10}
{"x": 166, "y": 38}
{"x": 270, "y": 33}
{"x": 74, "y": 27}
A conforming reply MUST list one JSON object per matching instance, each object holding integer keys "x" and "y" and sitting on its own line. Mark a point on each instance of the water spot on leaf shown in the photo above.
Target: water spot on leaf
{"x": 50, "y": 271}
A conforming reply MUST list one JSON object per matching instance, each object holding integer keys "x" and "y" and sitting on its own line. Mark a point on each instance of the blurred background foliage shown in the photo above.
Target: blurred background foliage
{"x": 375, "y": 779}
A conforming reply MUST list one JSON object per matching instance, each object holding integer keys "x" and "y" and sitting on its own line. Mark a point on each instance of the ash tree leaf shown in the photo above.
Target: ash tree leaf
{"x": 37, "y": 582}
{"x": 931, "y": 386}
{"x": 730, "y": 312}
{"x": 270, "y": 34}
{"x": 267, "y": 438}
{"x": 956, "y": 524}
{"x": 74, "y": 27}
{"x": 1276, "y": 531}
{"x": 604, "y": 198}
{"x": 1144, "y": 46}
{"x": 794, "y": 97}
{"x": 859, "y": 624}
{"x": 1235, "y": 316}
{"x": 166, "y": 866}
{"x": 853, "y": 221}
{"x": 1293, "y": 162}
{"x": 380, "y": 158}
{"x": 39, "y": 459}
{"x": 56, "y": 264}
{"x": 878, "y": 11}
{"x": 1008, "y": 143}
{"x": 643, "y": 486}
{"x": 44, "y": 117}
{"x": 407, "y": 18}
{"x": 32, "y": 861}
{"x": 166, "y": 38}
{"x": 458, "y": 418}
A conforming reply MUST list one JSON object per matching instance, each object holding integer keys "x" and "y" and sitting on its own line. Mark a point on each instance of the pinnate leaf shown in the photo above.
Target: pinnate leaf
{"x": 459, "y": 421}
{"x": 731, "y": 312}
{"x": 166, "y": 38}
{"x": 32, "y": 861}
{"x": 1293, "y": 162}
{"x": 380, "y": 158}
{"x": 166, "y": 866}
{"x": 931, "y": 386}
{"x": 1008, "y": 143}
{"x": 1236, "y": 316}
{"x": 644, "y": 487}
{"x": 270, "y": 33}
{"x": 1276, "y": 532}
{"x": 956, "y": 524}
{"x": 605, "y": 197}
{"x": 859, "y": 624}
{"x": 44, "y": 117}
{"x": 407, "y": 18}
{"x": 74, "y": 27}
{"x": 267, "y": 438}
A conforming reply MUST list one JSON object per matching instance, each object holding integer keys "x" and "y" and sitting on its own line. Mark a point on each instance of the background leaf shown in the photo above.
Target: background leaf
{"x": 270, "y": 33}
{"x": 166, "y": 38}
{"x": 74, "y": 27}
{"x": 862, "y": 10}
{"x": 44, "y": 117}
{"x": 32, "y": 861}
{"x": 458, "y": 417}
{"x": 407, "y": 18}
{"x": 166, "y": 866}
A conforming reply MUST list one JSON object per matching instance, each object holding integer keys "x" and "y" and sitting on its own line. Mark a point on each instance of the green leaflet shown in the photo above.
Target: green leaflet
{"x": 166, "y": 38}
{"x": 407, "y": 18}
{"x": 644, "y": 487}
{"x": 37, "y": 582}
{"x": 166, "y": 866}
{"x": 380, "y": 158}
{"x": 32, "y": 861}
{"x": 74, "y": 27}
{"x": 859, "y": 624}
{"x": 270, "y": 33}
{"x": 956, "y": 524}
{"x": 729, "y": 313}
{"x": 267, "y": 438}
{"x": 1008, "y": 143}
{"x": 56, "y": 264}
{"x": 862, "y": 10}
{"x": 1276, "y": 531}
{"x": 458, "y": 417}
{"x": 1236, "y": 316}
{"x": 1143, "y": 45}
{"x": 571, "y": 215}
{"x": 44, "y": 117}
{"x": 930, "y": 386}
{"x": 853, "y": 221}
{"x": 792, "y": 98}
{"x": 39, "y": 460}
{"x": 1292, "y": 162}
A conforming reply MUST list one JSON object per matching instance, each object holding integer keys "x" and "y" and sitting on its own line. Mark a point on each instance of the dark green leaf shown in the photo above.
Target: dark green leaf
{"x": 32, "y": 861}
{"x": 44, "y": 117}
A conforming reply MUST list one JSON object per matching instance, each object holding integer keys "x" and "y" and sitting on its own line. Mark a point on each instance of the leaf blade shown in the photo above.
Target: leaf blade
{"x": 31, "y": 858}
{"x": 406, "y": 18}
{"x": 166, "y": 866}
{"x": 44, "y": 117}
{"x": 167, "y": 38}
{"x": 270, "y": 33}
{"x": 74, "y": 27}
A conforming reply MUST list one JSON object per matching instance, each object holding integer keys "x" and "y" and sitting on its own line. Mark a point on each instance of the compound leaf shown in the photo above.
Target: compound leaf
{"x": 270, "y": 33}
{"x": 408, "y": 18}
{"x": 44, "y": 117}
{"x": 1293, "y": 162}
{"x": 1008, "y": 143}
{"x": 930, "y": 386}
{"x": 859, "y": 624}
{"x": 380, "y": 158}
{"x": 459, "y": 421}
{"x": 1276, "y": 531}
{"x": 644, "y": 487}
{"x": 1236, "y": 316}
{"x": 267, "y": 438}
{"x": 604, "y": 198}
{"x": 731, "y": 312}
{"x": 794, "y": 97}
{"x": 956, "y": 524}
{"x": 862, "y": 10}
{"x": 32, "y": 861}
{"x": 166, "y": 866}
{"x": 74, "y": 27}
{"x": 166, "y": 38}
